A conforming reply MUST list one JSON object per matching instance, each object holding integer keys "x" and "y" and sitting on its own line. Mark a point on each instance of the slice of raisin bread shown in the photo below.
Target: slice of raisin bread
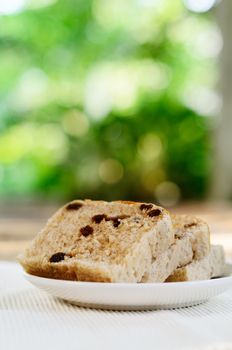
{"x": 197, "y": 230}
{"x": 212, "y": 265}
{"x": 192, "y": 241}
{"x": 100, "y": 241}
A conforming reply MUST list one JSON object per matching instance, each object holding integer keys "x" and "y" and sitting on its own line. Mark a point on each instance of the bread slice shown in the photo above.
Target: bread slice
{"x": 198, "y": 232}
{"x": 192, "y": 241}
{"x": 212, "y": 265}
{"x": 100, "y": 241}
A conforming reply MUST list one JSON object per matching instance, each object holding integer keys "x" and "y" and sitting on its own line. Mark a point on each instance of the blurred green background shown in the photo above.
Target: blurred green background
{"x": 107, "y": 99}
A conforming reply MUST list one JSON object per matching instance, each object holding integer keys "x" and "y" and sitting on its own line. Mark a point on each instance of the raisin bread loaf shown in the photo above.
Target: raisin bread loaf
{"x": 100, "y": 241}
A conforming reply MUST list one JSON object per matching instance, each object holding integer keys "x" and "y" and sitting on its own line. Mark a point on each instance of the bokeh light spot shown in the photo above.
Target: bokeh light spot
{"x": 203, "y": 100}
{"x": 111, "y": 171}
{"x": 10, "y": 7}
{"x": 31, "y": 90}
{"x": 16, "y": 143}
{"x": 44, "y": 142}
{"x": 75, "y": 123}
{"x": 209, "y": 42}
{"x": 199, "y": 5}
{"x": 149, "y": 147}
{"x": 118, "y": 85}
{"x": 87, "y": 173}
{"x": 168, "y": 193}
{"x": 51, "y": 143}
{"x": 151, "y": 178}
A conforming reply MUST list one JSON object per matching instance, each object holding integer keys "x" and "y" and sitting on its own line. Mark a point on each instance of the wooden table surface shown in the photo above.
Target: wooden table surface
{"x": 19, "y": 223}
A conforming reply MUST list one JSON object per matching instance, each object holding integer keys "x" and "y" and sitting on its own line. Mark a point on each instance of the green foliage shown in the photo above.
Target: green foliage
{"x": 93, "y": 100}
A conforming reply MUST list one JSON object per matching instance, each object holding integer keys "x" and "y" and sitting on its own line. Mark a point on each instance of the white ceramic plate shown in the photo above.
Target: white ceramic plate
{"x": 131, "y": 296}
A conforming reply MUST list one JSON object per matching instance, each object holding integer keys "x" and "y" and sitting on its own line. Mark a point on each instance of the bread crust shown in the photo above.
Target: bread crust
{"x": 66, "y": 272}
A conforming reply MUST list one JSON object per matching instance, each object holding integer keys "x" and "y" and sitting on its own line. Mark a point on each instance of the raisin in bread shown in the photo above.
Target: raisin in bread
{"x": 192, "y": 242}
{"x": 100, "y": 241}
{"x": 212, "y": 265}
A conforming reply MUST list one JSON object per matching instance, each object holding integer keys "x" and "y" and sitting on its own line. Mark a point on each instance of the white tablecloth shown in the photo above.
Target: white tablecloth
{"x": 31, "y": 319}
